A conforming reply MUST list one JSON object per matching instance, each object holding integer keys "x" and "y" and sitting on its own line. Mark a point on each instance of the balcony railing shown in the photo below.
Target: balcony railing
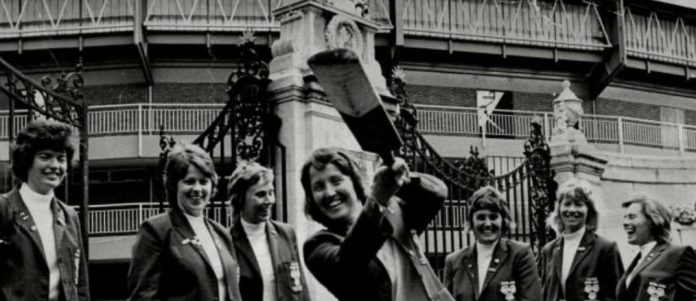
{"x": 125, "y": 218}
{"x": 190, "y": 119}
{"x": 568, "y": 24}
{"x": 665, "y": 38}
{"x": 621, "y": 131}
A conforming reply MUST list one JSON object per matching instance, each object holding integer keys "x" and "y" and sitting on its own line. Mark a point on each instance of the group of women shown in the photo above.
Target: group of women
{"x": 579, "y": 265}
{"x": 370, "y": 248}
{"x": 183, "y": 255}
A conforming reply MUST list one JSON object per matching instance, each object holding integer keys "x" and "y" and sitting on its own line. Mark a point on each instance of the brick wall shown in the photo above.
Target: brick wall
{"x": 115, "y": 94}
{"x": 627, "y": 109}
{"x": 445, "y": 96}
{"x": 690, "y": 117}
{"x": 189, "y": 93}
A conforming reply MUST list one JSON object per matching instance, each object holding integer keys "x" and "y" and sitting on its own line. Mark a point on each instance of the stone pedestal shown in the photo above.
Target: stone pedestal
{"x": 309, "y": 121}
{"x": 573, "y": 157}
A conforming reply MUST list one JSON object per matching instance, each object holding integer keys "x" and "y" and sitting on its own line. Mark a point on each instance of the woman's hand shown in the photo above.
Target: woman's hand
{"x": 388, "y": 180}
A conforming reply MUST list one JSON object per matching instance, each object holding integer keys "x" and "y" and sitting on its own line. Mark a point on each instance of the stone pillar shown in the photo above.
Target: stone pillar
{"x": 309, "y": 121}
{"x": 572, "y": 156}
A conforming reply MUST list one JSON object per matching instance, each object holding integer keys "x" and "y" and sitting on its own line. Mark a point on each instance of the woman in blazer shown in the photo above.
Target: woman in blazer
{"x": 369, "y": 250}
{"x": 494, "y": 268}
{"x": 266, "y": 250}
{"x": 579, "y": 265}
{"x": 41, "y": 254}
{"x": 181, "y": 254}
{"x": 660, "y": 271}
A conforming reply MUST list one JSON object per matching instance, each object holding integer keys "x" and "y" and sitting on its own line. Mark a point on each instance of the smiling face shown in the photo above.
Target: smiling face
{"x": 193, "y": 191}
{"x": 258, "y": 202}
{"x": 47, "y": 171}
{"x": 637, "y": 225}
{"x": 334, "y": 194}
{"x": 487, "y": 226}
{"x": 573, "y": 213}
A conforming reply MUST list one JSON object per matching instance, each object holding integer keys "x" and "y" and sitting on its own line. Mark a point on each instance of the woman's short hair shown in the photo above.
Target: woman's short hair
{"x": 319, "y": 159}
{"x": 247, "y": 174}
{"x": 178, "y": 161}
{"x": 489, "y": 198}
{"x": 41, "y": 135}
{"x": 576, "y": 190}
{"x": 659, "y": 216}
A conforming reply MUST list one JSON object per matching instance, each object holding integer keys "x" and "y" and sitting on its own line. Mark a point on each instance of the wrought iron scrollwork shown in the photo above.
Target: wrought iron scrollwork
{"x": 247, "y": 113}
{"x": 543, "y": 188}
{"x": 406, "y": 120}
{"x": 59, "y": 100}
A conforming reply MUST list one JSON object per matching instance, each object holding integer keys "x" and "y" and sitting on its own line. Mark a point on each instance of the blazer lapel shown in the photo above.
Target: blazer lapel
{"x": 500, "y": 254}
{"x": 181, "y": 225}
{"x": 471, "y": 268}
{"x": 58, "y": 222}
{"x": 654, "y": 253}
{"x": 227, "y": 259}
{"x": 584, "y": 249}
{"x": 22, "y": 217}
{"x": 244, "y": 246}
{"x": 557, "y": 257}
{"x": 272, "y": 235}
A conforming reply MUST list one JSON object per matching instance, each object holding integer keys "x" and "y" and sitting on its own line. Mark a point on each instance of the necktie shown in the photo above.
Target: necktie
{"x": 631, "y": 269}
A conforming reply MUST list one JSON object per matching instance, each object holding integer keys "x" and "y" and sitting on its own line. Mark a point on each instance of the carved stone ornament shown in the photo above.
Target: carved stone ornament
{"x": 343, "y": 33}
{"x": 567, "y": 110}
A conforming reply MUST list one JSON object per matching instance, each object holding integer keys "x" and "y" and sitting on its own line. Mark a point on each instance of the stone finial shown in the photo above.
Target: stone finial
{"x": 567, "y": 110}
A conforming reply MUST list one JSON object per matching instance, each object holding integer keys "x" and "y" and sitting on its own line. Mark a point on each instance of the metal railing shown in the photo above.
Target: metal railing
{"x": 660, "y": 37}
{"x": 137, "y": 118}
{"x": 144, "y": 119}
{"x": 125, "y": 218}
{"x": 621, "y": 131}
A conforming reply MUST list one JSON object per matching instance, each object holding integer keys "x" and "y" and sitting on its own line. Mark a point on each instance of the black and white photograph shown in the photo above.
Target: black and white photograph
{"x": 348, "y": 150}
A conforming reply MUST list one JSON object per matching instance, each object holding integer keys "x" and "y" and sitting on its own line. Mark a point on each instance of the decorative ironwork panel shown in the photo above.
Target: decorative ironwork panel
{"x": 248, "y": 112}
{"x": 60, "y": 17}
{"x": 543, "y": 191}
{"x": 546, "y": 23}
{"x": 54, "y": 99}
{"x": 651, "y": 35}
{"x": 524, "y": 186}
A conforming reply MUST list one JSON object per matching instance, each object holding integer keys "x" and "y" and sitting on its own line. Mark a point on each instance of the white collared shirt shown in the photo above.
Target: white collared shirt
{"x": 39, "y": 206}
{"x": 644, "y": 252}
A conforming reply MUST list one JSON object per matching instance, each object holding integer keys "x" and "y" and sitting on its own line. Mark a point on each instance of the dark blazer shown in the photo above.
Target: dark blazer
{"x": 668, "y": 270}
{"x": 512, "y": 265}
{"x": 290, "y": 281}
{"x": 596, "y": 266}
{"x": 23, "y": 269}
{"x": 345, "y": 260}
{"x": 166, "y": 265}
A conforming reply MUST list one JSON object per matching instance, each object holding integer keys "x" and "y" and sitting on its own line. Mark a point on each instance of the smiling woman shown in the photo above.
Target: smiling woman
{"x": 578, "y": 265}
{"x": 31, "y": 213}
{"x": 181, "y": 254}
{"x": 495, "y": 268}
{"x": 266, "y": 249}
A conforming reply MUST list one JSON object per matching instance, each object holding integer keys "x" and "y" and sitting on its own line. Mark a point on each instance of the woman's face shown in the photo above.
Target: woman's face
{"x": 193, "y": 191}
{"x": 258, "y": 202}
{"x": 487, "y": 226}
{"x": 334, "y": 194}
{"x": 573, "y": 214}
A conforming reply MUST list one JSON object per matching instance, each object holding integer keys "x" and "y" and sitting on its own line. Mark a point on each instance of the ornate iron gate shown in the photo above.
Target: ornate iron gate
{"x": 248, "y": 126}
{"x": 529, "y": 188}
